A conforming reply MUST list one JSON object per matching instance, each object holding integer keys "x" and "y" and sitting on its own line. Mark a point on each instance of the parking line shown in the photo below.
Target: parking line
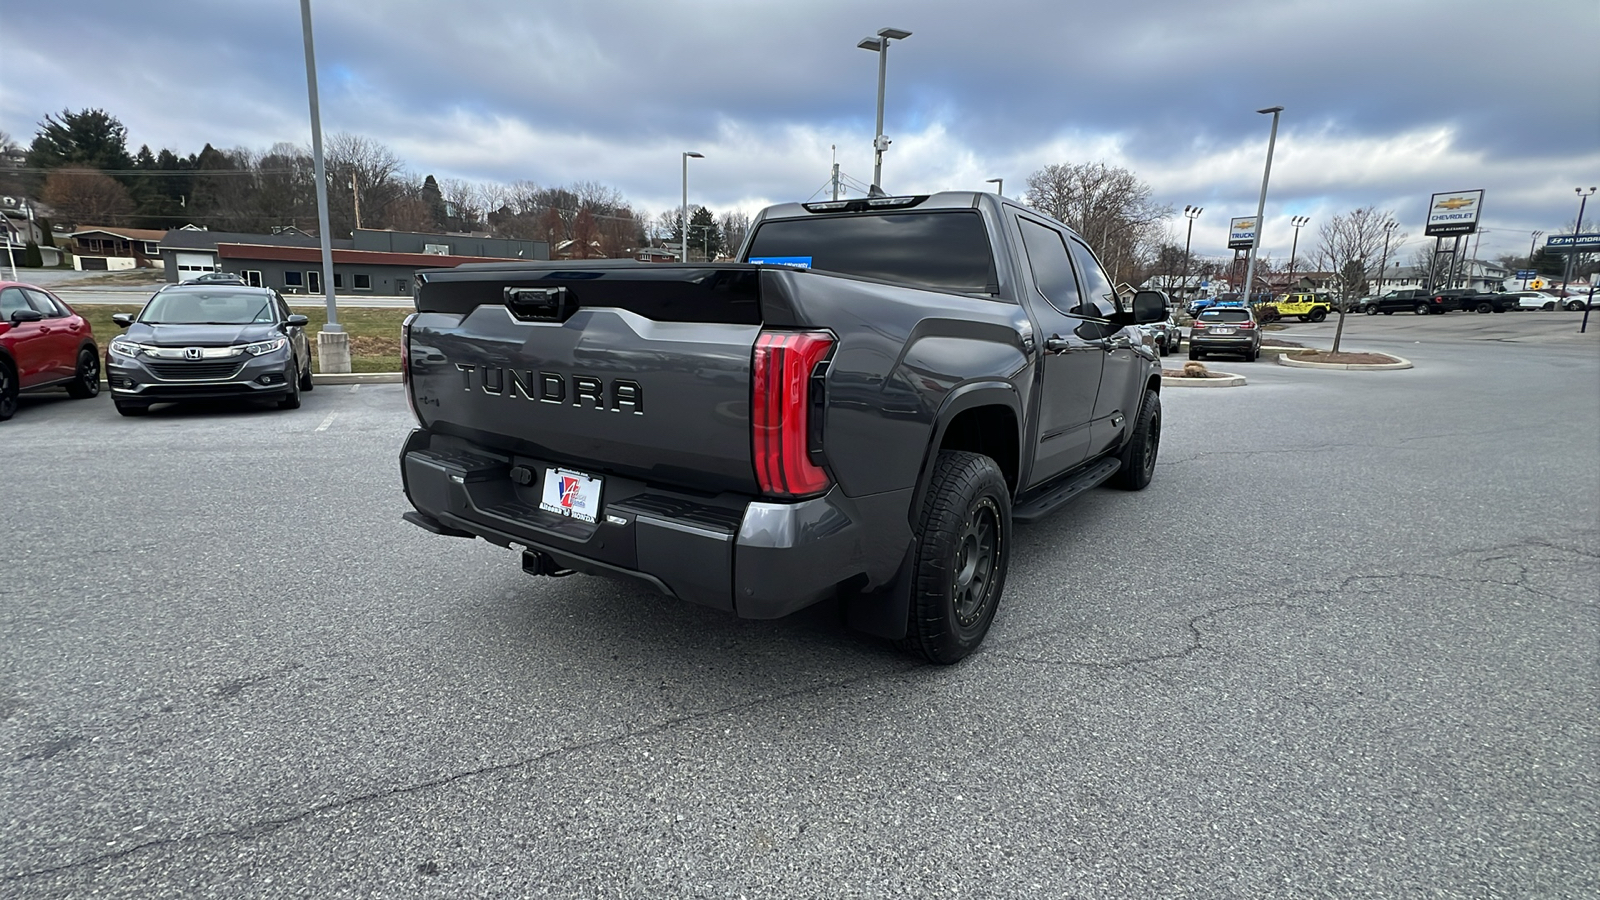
{"x": 328, "y": 421}
{"x": 355, "y": 387}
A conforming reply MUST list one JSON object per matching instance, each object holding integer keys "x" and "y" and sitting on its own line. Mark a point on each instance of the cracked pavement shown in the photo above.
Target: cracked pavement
{"x": 1346, "y": 644}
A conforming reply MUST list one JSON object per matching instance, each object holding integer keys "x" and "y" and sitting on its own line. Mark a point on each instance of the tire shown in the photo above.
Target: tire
{"x": 292, "y": 399}
{"x": 1193, "y": 353}
{"x": 1388, "y": 312}
{"x": 132, "y": 409}
{"x": 305, "y": 379}
{"x": 1485, "y": 308}
{"x": 9, "y": 388}
{"x": 1422, "y": 309}
{"x": 86, "y": 381}
{"x": 963, "y": 546}
{"x": 1549, "y": 307}
{"x": 1250, "y": 355}
{"x": 1139, "y": 456}
{"x": 1304, "y": 318}
{"x": 1372, "y": 310}
{"x": 1575, "y": 306}
{"x": 1319, "y": 316}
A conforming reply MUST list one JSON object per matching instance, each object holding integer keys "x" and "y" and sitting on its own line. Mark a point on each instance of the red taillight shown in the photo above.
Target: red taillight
{"x": 780, "y": 411}
{"x": 405, "y": 365}
{"x": 1247, "y": 324}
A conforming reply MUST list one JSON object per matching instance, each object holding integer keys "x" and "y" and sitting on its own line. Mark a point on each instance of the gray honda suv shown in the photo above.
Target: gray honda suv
{"x": 209, "y": 341}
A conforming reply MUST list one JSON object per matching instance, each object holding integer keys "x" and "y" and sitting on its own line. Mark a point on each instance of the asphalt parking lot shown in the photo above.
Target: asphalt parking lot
{"x": 1344, "y": 645}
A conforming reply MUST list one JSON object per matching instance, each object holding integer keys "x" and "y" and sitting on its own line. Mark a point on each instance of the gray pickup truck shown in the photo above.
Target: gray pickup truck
{"x": 859, "y": 409}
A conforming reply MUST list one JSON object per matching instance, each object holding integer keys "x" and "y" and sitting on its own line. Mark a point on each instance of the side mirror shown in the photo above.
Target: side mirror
{"x": 123, "y": 320}
{"x": 26, "y": 315}
{"x": 1149, "y": 306}
{"x": 297, "y": 321}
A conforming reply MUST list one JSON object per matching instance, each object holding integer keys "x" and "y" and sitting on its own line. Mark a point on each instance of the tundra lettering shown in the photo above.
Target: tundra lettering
{"x": 549, "y": 387}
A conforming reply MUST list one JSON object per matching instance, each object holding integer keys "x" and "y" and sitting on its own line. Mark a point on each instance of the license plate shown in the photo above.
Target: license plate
{"x": 1222, "y": 331}
{"x": 572, "y": 494}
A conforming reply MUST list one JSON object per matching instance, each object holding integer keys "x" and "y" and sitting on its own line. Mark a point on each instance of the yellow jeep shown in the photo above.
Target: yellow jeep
{"x": 1309, "y": 307}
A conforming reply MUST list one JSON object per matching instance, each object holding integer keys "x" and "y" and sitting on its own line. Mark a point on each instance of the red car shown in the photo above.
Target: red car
{"x": 43, "y": 343}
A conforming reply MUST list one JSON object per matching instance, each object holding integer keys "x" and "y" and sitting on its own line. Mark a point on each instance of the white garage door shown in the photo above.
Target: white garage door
{"x": 193, "y": 265}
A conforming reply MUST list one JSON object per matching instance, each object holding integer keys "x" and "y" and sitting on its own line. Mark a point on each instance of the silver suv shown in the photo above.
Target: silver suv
{"x": 1225, "y": 329}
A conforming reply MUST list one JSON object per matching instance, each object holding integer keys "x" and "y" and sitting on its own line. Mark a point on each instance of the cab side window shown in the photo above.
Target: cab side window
{"x": 1052, "y": 269}
{"x": 1099, "y": 296}
{"x": 12, "y": 301}
{"x": 42, "y": 302}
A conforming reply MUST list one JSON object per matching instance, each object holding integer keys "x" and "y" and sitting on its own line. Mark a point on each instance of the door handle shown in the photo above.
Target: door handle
{"x": 1056, "y": 344}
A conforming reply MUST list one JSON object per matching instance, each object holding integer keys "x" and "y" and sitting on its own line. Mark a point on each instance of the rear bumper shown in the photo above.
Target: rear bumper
{"x": 757, "y": 559}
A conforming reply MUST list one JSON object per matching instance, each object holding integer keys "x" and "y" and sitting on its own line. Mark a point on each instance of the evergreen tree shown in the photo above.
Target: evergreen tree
{"x": 435, "y": 203}
{"x": 705, "y": 237}
{"x": 90, "y": 138}
{"x": 31, "y": 257}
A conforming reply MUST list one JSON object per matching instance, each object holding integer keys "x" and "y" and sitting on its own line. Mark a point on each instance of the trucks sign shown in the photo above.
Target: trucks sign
{"x": 1454, "y": 213}
{"x": 1241, "y": 233}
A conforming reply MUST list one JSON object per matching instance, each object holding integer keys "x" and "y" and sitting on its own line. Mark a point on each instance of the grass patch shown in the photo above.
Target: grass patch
{"x": 374, "y": 333}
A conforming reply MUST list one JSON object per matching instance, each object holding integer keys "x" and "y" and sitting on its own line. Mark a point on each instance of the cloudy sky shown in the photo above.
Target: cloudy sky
{"x": 1386, "y": 101}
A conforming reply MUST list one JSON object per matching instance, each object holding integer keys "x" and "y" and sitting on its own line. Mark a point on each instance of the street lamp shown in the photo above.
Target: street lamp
{"x": 881, "y": 45}
{"x": 1261, "y": 205}
{"x": 1531, "y": 245}
{"x": 999, "y": 185}
{"x": 1298, "y": 222}
{"x": 1572, "y": 252}
{"x": 683, "y": 251}
{"x": 333, "y": 344}
{"x": 1191, "y": 213}
{"x": 1388, "y": 229}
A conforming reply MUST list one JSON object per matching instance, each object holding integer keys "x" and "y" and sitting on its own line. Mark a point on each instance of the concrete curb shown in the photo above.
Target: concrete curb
{"x": 357, "y": 378}
{"x": 1284, "y": 360}
{"x": 1228, "y": 379}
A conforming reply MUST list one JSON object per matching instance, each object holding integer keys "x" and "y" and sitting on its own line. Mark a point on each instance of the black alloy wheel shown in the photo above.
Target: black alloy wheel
{"x": 1484, "y": 306}
{"x": 1422, "y": 309}
{"x": 86, "y": 381}
{"x": 1139, "y": 455}
{"x": 1372, "y": 310}
{"x": 962, "y": 550}
{"x": 8, "y": 391}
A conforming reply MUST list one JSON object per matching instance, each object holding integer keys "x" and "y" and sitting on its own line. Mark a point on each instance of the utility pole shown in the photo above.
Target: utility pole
{"x": 1531, "y": 244}
{"x": 333, "y": 343}
{"x": 1572, "y": 252}
{"x": 1191, "y": 213}
{"x": 355, "y": 195}
{"x": 1261, "y": 205}
{"x": 835, "y": 149}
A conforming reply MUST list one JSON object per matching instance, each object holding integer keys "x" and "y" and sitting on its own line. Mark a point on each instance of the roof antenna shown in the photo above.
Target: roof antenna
{"x": 875, "y": 191}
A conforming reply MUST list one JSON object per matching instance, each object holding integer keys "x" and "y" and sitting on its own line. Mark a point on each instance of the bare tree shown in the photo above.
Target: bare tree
{"x": 372, "y": 168}
{"x": 84, "y": 196}
{"x": 735, "y": 225}
{"x": 1349, "y": 246}
{"x": 1108, "y": 206}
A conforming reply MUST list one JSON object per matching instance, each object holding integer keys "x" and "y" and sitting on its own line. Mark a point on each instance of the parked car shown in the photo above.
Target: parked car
{"x": 1228, "y": 329}
{"x": 1530, "y": 300}
{"x": 216, "y": 278}
{"x": 1308, "y": 307}
{"x": 209, "y": 341}
{"x": 43, "y": 344}
{"x": 1166, "y": 333}
{"x": 1413, "y": 300}
{"x": 1483, "y": 302}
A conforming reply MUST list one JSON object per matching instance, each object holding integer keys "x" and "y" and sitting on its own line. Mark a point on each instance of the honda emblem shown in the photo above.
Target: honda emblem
{"x": 193, "y": 353}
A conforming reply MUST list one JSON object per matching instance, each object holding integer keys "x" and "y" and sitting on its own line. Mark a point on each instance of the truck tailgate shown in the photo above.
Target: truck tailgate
{"x": 643, "y": 371}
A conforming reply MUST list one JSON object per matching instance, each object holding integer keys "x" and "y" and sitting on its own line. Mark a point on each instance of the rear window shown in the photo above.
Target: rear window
{"x": 942, "y": 250}
{"x": 1225, "y": 315}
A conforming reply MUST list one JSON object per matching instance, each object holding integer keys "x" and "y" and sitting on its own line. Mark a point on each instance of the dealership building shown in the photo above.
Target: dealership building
{"x": 375, "y": 262}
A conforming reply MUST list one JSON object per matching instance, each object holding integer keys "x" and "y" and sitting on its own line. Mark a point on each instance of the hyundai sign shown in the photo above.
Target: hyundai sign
{"x": 1241, "y": 233}
{"x": 1454, "y": 213}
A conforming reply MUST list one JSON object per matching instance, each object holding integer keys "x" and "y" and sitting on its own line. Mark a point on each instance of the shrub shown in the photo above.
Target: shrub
{"x": 1267, "y": 312}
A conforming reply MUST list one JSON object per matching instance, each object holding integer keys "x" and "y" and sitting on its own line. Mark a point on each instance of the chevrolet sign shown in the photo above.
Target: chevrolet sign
{"x": 1241, "y": 233}
{"x": 1454, "y": 213}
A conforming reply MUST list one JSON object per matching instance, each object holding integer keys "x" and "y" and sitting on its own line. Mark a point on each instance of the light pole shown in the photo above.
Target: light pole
{"x": 881, "y": 45}
{"x": 1191, "y": 213}
{"x": 1298, "y": 222}
{"x": 1388, "y": 229}
{"x": 1261, "y": 205}
{"x": 1572, "y": 252}
{"x": 999, "y": 185}
{"x": 333, "y": 344}
{"x": 1531, "y": 244}
{"x": 683, "y": 251}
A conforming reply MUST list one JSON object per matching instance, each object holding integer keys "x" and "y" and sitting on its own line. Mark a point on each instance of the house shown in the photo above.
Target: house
{"x": 101, "y": 248}
{"x": 190, "y": 252}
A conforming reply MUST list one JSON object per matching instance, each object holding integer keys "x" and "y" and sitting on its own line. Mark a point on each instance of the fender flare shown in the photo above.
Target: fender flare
{"x": 967, "y": 396}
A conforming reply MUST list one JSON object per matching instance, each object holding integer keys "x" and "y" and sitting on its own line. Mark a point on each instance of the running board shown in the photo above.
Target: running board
{"x": 1057, "y": 495}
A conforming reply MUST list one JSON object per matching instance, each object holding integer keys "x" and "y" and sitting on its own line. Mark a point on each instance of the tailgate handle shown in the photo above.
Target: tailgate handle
{"x": 542, "y": 304}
